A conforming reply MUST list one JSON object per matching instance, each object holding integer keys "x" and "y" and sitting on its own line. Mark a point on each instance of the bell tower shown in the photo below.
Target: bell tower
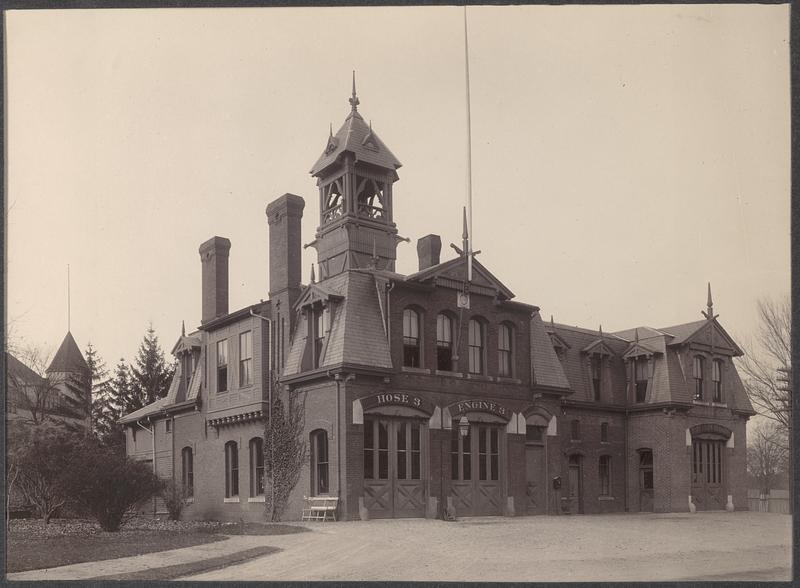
{"x": 355, "y": 174}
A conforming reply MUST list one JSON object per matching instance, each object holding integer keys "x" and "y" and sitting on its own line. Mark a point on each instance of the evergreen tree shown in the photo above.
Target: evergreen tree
{"x": 151, "y": 375}
{"x": 110, "y": 406}
{"x": 98, "y": 374}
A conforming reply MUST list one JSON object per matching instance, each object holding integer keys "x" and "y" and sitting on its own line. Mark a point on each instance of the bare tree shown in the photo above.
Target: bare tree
{"x": 767, "y": 455}
{"x": 36, "y": 398}
{"x": 767, "y": 365}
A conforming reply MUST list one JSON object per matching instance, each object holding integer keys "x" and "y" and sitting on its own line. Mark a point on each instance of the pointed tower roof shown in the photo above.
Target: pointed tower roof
{"x": 68, "y": 358}
{"x": 357, "y": 137}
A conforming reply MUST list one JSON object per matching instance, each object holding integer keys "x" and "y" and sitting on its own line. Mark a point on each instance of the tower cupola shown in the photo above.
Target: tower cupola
{"x": 355, "y": 174}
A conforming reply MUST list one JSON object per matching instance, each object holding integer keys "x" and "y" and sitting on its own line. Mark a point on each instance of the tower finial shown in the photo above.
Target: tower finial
{"x": 601, "y": 331}
{"x": 330, "y": 132}
{"x": 313, "y": 279}
{"x": 709, "y": 313}
{"x": 183, "y": 328}
{"x": 354, "y": 101}
{"x": 552, "y": 322}
{"x": 636, "y": 335}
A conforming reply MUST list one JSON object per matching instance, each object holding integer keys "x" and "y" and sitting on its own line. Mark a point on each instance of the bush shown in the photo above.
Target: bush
{"x": 109, "y": 485}
{"x": 175, "y": 498}
{"x": 40, "y": 461}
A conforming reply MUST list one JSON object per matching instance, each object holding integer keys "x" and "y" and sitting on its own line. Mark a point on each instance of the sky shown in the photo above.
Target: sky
{"x": 622, "y": 156}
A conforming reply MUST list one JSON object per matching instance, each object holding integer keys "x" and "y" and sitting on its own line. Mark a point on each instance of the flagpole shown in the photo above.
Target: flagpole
{"x": 469, "y": 250}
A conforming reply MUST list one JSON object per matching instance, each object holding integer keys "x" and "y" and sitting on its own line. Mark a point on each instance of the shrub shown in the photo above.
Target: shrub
{"x": 175, "y": 498}
{"x": 109, "y": 485}
{"x": 40, "y": 462}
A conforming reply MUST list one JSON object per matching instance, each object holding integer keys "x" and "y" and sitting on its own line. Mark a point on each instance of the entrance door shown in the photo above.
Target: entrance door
{"x": 535, "y": 491}
{"x": 707, "y": 486}
{"x": 646, "y": 481}
{"x": 475, "y": 471}
{"x": 575, "y": 484}
{"x": 393, "y": 462}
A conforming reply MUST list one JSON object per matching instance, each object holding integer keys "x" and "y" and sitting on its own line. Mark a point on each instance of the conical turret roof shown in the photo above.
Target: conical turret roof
{"x": 68, "y": 358}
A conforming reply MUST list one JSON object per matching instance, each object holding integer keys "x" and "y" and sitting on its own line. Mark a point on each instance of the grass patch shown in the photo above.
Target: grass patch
{"x": 24, "y": 554}
{"x": 196, "y": 567}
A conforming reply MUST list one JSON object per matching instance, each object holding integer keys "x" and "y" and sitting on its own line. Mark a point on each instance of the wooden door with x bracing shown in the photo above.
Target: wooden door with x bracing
{"x": 394, "y": 457}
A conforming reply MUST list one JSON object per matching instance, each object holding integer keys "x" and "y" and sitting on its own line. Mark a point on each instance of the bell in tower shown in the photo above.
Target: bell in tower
{"x": 355, "y": 175}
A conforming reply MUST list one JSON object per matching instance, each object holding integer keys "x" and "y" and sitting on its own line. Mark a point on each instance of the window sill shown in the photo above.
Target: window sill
{"x": 534, "y": 443}
{"x": 700, "y": 402}
{"x": 232, "y": 499}
{"x": 480, "y": 377}
{"x": 450, "y": 374}
{"x": 257, "y": 499}
{"x": 605, "y": 498}
{"x": 415, "y": 370}
{"x": 720, "y": 404}
{"x": 506, "y": 380}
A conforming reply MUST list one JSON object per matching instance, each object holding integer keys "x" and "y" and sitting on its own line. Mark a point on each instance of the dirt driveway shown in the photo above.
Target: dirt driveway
{"x": 641, "y": 547}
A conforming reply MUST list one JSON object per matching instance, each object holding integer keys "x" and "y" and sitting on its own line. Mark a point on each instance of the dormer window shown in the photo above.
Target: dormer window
{"x": 596, "y": 366}
{"x": 716, "y": 378}
{"x": 320, "y": 329}
{"x": 640, "y": 369}
{"x": 699, "y": 365}
{"x": 444, "y": 343}
{"x": 411, "y": 354}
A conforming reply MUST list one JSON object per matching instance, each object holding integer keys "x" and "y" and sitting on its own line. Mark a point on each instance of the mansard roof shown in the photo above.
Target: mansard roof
{"x": 357, "y": 334}
{"x": 68, "y": 358}
{"x": 547, "y": 369}
{"x": 358, "y": 138}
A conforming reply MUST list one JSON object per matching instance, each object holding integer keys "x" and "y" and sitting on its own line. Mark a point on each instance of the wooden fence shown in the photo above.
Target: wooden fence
{"x": 776, "y": 501}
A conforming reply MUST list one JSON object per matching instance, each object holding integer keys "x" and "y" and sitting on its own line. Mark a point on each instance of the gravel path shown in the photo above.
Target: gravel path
{"x": 658, "y": 547}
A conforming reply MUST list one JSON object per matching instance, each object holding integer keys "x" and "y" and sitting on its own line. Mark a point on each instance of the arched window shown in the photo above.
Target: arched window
{"x": 444, "y": 343}
{"x": 231, "y": 469}
{"x": 256, "y": 466}
{"x": 698, "y": 377}
{"x": 604, "y": 465}
{"x": 476, "y": 347}
{"x": 411, "y": 355}
{"x": 187, "y": 471}
{"x": 716, "y": 378}
{"x": 640, "y": 366}
{"x": 504, "y": 350}
{"x": 319, "y": 462}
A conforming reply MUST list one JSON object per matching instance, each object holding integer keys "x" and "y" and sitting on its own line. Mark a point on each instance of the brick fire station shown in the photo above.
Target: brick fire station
{"x": 432, "y": 394}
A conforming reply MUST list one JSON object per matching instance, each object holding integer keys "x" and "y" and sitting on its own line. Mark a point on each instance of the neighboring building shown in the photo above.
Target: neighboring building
{"x": 429, "y": 392}
{"x": 62, "y": 395}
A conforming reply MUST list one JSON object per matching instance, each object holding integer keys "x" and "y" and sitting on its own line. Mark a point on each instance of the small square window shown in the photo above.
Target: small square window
{"x": 534, "y": 434}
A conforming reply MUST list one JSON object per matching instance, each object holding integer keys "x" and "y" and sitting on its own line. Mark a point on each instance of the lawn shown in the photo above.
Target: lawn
{"x": 32, "y": 545}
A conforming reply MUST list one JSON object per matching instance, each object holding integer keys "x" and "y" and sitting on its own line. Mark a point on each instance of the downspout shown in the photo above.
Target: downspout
{"x": 389, "y": 288}
{"x": 153, "y": 446}
{"x": 269, "y": 402}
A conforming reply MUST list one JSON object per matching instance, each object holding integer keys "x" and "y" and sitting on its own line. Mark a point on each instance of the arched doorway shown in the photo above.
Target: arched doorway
{"x": 708, "y": 466}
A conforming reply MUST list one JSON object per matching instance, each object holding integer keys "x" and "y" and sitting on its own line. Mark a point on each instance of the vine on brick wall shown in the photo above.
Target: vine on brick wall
{"x": 285, "y": 451}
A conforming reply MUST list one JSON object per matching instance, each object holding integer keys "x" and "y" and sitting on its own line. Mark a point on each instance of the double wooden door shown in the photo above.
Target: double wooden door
{"x": 394, "y": 460}
{"x": 708, "y": 489}
{"x": 476, "y": 471}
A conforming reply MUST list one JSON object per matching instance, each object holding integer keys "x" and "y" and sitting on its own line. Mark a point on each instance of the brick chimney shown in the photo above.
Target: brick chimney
{"x": 429, "y": 248}
{"x": 214, "y": 258}
{"x": 284, "y": 216}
